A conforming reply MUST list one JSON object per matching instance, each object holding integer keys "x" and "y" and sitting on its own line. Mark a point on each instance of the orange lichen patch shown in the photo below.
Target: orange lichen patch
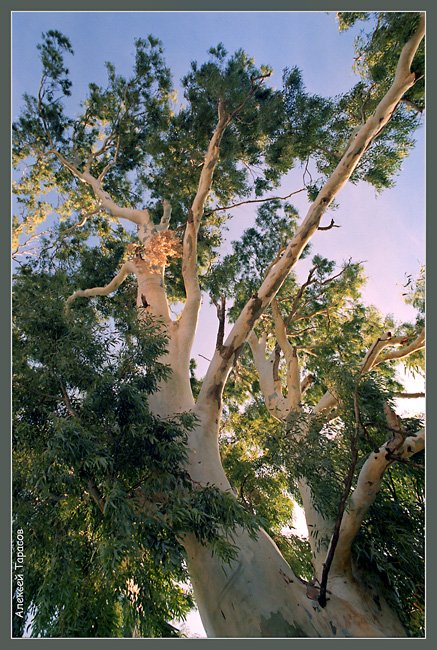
{"x": 157, "y": 249}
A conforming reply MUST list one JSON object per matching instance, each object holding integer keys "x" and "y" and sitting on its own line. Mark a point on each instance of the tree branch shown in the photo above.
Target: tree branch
{"x": 17, "y": 252}
{"x": 223, "y": 360}
{"x": 128, "y": 267}
{"x": 271, "y": 389}
{"x": 294, "y": 315}
{"x": 298, "y": 296}
{"x": 294, "y": 394}
{"x": 166, "y": 215}
{"x": 306, "y": 383}
{"x": 384, "y": 341}
{"x": 139, "y": 217}
{"x": 270, "y": 198}
{"x": 414, "y": 346}
{"x": 399, "y": 447}
{"x": 221, "y": 315}
{"x": 331, "y": 225}
{"x": 409, "y": 395}
{"x": 374, "y": 357}
{"x": 333, "y": 545}
{"x": 189, "y": 316}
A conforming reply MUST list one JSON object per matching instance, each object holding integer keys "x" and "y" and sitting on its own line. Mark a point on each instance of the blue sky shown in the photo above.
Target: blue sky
{"x": 386, "y": 230}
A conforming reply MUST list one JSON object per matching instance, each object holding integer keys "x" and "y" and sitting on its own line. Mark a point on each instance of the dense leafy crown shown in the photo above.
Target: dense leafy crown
{"x": 82, "y": 426}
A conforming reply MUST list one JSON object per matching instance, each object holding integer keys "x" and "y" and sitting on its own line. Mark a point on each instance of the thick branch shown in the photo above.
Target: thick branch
{"x": 221, "y": 315}
{"x": 373, "y": 354}
{"x": 306, "y": 383}
{"x": 271, "y": 389}
{"x": 188, "y": 320}
{"x": 128, "y": 267}
{"x": 326, "y": 403}
{"x": 294, "y": 394}
{"x": 140, "y": 217}
{"x": 414, "y": 346}
{"x": 166, "y": 215}
{"x": 223, "y": 360}
{"x": 368, "y": 485}
{"x": 374, "y": 357}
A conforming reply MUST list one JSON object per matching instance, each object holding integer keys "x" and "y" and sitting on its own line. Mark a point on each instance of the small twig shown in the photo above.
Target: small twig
{"x": 298, "y": 297}
{"x": 299, "y": 332}
{"x": 331, "y": 225}
{"x": 305, "y": 172}
{"x": 253, "y": 88}
{"x": 17, "y": 251}
{"x": 271, "y": 198}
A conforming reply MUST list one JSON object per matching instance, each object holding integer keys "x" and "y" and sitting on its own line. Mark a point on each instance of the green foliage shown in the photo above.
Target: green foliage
{"x": 99, "y": 484}
{"x": 391, "y": 542}
{"x": 320, "y": 129}
{"x": 152, "y": 150}
{"x": 264, "y": 459}
{"x": 100, "y": 487}
{"x": 243, "y": 270}
{"x": 378, "y": 50}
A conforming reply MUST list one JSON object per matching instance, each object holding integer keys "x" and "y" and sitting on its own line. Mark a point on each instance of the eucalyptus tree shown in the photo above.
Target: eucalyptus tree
{"x": 130, "y": 443}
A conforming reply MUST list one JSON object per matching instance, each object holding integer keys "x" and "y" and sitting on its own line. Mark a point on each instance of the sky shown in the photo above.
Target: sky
{"x": 387, "y": 231}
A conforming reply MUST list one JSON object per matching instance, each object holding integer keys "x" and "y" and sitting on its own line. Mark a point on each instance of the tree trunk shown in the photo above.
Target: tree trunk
{"x": 258, "y": 595}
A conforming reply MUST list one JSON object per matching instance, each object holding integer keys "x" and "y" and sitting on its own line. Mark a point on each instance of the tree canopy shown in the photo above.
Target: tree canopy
{"x": 103, "y": 479}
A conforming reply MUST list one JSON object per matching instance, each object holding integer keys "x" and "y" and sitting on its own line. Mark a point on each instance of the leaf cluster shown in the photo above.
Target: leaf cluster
{"x": 100, "y": 487}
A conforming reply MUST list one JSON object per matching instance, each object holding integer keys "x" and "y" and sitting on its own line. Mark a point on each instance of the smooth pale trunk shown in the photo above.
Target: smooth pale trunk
{"x": 258, "y": 594}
